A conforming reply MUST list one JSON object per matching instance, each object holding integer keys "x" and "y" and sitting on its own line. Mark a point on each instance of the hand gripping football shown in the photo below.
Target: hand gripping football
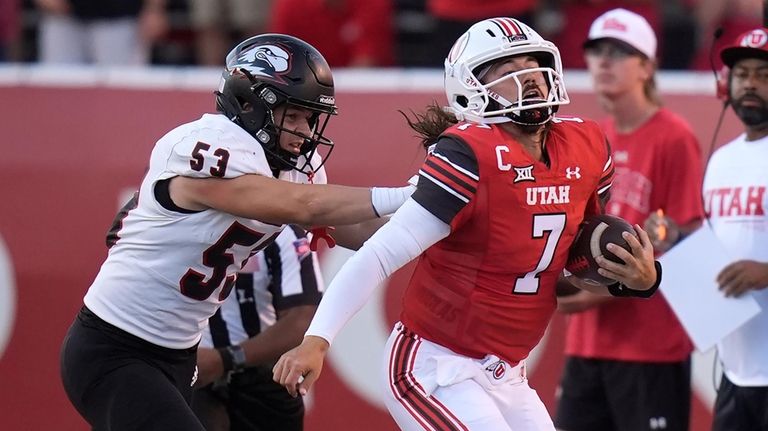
{"x": 591, "y": 240}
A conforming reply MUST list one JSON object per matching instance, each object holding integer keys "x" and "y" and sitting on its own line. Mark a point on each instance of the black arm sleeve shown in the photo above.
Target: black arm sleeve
{"x": 448, "y": 178}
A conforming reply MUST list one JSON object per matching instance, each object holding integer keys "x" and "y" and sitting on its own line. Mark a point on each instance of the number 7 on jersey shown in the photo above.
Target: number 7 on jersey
{"x": 554, "y": 224}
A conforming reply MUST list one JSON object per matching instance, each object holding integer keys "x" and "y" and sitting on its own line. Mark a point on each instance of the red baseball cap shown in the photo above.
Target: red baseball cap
{"x": 752, "y": 44}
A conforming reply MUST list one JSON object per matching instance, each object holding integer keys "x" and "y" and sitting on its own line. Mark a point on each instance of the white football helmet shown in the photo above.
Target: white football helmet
{"x": 483, "y": 44}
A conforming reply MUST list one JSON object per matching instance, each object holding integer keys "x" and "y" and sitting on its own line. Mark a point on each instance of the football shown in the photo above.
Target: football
{"x": 591, "y": 240}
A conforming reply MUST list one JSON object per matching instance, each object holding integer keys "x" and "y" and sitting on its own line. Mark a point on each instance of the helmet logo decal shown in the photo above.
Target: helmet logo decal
{"x": 265, "y": 61}
{"x": 755, "y": 39}
{"x": 510, "y": 29}
{"x": 458, "y": 48}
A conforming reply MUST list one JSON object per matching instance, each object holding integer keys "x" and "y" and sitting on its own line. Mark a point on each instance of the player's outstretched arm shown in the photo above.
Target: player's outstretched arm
{"x": 412, "y": 230}
{"x": 353, "y": 236}
{"x": 276, "y": 201}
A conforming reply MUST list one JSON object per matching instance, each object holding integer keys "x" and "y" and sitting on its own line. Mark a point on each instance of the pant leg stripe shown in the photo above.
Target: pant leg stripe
{"x": 445, "y": 412}
{"x": 395, "y": 357}
{"x": 409, "y": 392}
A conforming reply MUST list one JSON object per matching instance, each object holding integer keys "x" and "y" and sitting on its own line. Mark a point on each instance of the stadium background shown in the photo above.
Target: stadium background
{"x": 75, "y": 141}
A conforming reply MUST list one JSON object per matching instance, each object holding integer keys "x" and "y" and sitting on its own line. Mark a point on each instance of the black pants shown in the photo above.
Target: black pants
{"x": 603, "y": 395}
{"x": 117, "y": 381}
{"x": 740, "y": 408}
{"x": 251, "y": 401}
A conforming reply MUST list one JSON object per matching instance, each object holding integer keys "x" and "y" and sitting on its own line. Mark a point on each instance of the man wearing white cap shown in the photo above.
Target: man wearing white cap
{"x": 628, "y": 362}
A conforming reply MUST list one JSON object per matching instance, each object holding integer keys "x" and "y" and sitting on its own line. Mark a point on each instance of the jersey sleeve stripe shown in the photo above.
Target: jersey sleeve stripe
{"x": 443, "y": 186}
{"x": 608, "y": 176}
{"x": 435, "y": 168}
{"x": 608, "y": 163}
{"x": 471, "y": 175}
{"x": 604, "y": 189}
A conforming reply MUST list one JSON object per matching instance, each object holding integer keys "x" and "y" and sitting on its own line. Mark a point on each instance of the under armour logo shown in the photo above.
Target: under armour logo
{"x": 570, "y": 173}
{"x": 194, "y": 378}
{"x": 523, "y": 174}
{"x": 659, "y": 423}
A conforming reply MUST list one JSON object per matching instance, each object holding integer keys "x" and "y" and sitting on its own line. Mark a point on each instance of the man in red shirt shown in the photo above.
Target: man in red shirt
{"x": 500, "y": 198}
{"x": 628, "y": 364}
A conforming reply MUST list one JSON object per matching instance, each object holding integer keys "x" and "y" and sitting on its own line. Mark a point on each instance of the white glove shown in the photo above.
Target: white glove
{"x": 386, "y": 200}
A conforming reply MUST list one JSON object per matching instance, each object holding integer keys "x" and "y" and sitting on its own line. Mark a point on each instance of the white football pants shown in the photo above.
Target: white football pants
{"x": 429, "y": 387}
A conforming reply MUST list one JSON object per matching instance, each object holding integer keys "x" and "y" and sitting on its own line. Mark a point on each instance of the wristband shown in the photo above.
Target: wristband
{"x": 232, "y": 358}
{"x": 620, "y": 290}
{"x": 386, "y": 200}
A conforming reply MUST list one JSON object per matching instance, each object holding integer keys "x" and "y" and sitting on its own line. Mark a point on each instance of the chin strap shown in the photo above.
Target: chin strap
{"x": 535, "y": 116}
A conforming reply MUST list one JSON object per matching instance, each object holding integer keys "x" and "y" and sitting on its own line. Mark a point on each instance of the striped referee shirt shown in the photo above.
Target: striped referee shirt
{"x": 284, "y": 275}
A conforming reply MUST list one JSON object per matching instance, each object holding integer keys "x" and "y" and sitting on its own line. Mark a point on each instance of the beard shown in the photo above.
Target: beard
{"x": 751, "y": 115}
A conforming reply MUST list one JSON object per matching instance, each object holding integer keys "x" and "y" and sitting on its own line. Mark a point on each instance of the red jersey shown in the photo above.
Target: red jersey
{"x": 489, "y": 287}
{"x": 657, "y": 166}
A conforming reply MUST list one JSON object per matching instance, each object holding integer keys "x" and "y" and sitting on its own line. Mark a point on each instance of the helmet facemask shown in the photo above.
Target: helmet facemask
{"x": 527, "y": 109}
{"x": 281, "y": 159}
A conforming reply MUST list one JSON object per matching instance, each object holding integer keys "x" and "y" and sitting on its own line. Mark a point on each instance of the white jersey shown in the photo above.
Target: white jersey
{"x": 283, "y": 275}
{"x": 171, "y": 269}
{"x": 736, "y": 199}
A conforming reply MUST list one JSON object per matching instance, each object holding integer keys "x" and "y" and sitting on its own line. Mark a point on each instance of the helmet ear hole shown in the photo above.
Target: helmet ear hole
{"x": 245, "y": 105}
{"x": 462, "y": 101}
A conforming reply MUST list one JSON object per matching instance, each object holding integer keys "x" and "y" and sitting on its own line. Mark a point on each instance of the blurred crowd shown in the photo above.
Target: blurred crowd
{"x": 350, "y": 33}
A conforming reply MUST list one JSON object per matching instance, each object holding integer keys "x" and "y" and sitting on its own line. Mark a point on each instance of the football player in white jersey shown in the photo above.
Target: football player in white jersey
{"x": 217, "y": 190}
{"x": 736, "y": 201}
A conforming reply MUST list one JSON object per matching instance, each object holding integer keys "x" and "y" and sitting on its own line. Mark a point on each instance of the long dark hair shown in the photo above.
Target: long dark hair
{"x": 430, "y": 123}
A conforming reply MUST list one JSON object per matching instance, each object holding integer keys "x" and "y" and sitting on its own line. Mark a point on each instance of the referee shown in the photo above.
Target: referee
{"x": 275, "y": 296}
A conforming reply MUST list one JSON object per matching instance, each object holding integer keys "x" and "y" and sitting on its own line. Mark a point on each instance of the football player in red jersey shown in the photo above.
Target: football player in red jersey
{"x": 217, "y": 190}
{"x": 500, "y": 197}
